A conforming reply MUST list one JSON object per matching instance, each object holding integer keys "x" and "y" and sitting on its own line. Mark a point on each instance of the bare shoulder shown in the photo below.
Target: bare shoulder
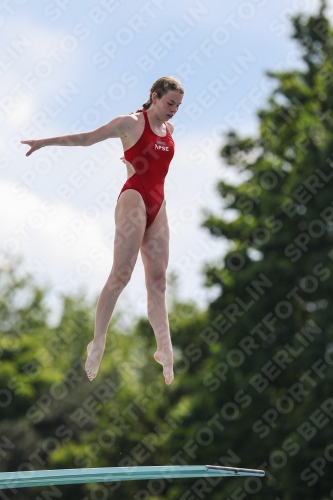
{"x": 129, "y": 122}
{"x": 123, "y": 125}
{"x": 131, "y": 119}
{"x": 170, "y": 127}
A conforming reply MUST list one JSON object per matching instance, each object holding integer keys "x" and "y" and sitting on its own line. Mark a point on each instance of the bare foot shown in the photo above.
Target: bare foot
{"x": 95, "y": 353}
{"x": 165, "y": 358}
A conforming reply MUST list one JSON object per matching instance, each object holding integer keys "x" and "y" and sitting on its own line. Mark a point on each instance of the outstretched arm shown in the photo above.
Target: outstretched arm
{"x": 115, "y": 128}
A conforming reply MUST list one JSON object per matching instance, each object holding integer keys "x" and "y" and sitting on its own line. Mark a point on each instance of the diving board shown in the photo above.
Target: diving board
{"x": 24, "y": 479}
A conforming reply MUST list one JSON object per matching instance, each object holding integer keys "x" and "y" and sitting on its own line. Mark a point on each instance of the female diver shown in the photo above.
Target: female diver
{"x": 140, "y": 215}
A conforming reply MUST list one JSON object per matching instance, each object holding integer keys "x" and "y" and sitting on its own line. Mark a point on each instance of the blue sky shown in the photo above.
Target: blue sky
{"x": 70, "y": 66}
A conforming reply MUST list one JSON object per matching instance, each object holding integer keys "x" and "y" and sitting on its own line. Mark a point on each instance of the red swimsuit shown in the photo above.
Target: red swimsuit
{"x": 150, "y": 156}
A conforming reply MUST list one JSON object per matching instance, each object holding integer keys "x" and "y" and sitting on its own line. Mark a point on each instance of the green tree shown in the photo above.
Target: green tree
{"x": 269, "y": 377}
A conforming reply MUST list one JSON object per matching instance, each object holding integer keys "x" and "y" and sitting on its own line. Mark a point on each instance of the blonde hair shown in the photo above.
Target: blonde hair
{"x": 161, "y": 87}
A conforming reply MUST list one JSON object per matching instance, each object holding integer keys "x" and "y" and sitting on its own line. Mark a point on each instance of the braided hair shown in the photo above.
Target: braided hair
{"x": 161, "y": 87}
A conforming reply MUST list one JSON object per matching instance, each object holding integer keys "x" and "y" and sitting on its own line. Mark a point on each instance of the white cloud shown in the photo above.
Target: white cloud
{"x": 52, "y": 237}
{"x": 39, "y": 63}
{"x": 26, "y": 42}
{"x": 21, "y": 113}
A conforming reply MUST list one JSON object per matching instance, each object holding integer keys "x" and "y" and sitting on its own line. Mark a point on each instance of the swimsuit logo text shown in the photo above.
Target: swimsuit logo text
{"x": 162, "y": 148}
